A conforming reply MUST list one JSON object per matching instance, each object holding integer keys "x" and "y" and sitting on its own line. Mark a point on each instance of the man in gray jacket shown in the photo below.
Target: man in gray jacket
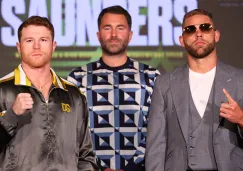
{"x": 43, "y": 118}
{"x": 196, "y": 120}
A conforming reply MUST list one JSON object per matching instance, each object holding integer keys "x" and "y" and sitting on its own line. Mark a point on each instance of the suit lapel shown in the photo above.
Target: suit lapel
{"x": 180, "y": 94}
{"x": 223, "y": 80}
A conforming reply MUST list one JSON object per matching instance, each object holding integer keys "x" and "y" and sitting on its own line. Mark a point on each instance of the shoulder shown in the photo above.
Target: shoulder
{"x": 85, "y": 68}
{"x": 237, "y": 72}
{"x": 7, "y": 79}
{"x": 165, "y": 79}
{"x": 178, "y": 71}
{"x": 71, "y": 88}
{"x": 144, "y": 68}
{"x": 76, "y": 75}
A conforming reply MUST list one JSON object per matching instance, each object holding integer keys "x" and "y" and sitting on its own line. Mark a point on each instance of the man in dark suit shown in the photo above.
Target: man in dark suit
{"x": 196, "y": 120}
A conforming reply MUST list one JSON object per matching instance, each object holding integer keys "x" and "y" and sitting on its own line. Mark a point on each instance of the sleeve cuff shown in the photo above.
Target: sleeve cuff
{"x": 240, "y": 130}
{"x": 10, "y": 117}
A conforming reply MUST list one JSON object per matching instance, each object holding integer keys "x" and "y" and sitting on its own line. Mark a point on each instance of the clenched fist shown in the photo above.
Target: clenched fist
{"x": 22, "y": 102}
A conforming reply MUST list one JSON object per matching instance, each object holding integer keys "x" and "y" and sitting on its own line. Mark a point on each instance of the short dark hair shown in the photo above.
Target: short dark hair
{"x": 37, "y": 21}
{"x": 197, "y": 12}
{"x": 115, "y": 10}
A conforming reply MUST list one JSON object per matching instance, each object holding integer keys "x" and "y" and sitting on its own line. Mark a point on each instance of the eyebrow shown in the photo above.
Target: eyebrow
{"x": 33, "y": 38}
{"x": 119, "y": 25}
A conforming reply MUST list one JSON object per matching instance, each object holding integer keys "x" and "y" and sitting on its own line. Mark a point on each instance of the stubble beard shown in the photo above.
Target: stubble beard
{"x": 37, "y": 63}
{"x": 114, "y": 49}
{"x": 196, "y": 53}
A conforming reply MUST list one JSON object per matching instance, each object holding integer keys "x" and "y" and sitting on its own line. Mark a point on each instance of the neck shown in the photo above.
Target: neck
{"x": 41, "y": 78}
{"x": 38, "y": 76}
{"x": 114, "y": 60}
{"x": 202, "y": 65}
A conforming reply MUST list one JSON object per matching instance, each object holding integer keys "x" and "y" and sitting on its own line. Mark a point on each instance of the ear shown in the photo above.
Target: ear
{"x": 54, "y": 45}
{"x": 98, "y": 36}
{"x": 181, "y": 41}
{"x": 130, "y": 35}
{"x": 18, "y": 47}
{"x": 217, "y": 35}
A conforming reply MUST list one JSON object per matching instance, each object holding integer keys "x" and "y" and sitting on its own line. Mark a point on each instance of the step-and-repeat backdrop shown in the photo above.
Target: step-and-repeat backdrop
{"x": 156, "y": 29}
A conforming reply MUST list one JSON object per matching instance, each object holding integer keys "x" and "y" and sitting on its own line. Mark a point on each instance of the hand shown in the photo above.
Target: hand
{"x": 108, "y": 169}
{"x": 231, "y": 110}
{"x": 22, "y": 102}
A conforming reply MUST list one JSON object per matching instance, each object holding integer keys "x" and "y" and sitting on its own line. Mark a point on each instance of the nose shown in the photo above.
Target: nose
{"x": 36, "y": 44}
{"x": 113, "y": 32}
{"x": 198, "y": 33}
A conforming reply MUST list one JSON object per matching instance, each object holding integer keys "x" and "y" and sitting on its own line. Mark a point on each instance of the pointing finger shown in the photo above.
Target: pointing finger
{"x": 229, "y": 98}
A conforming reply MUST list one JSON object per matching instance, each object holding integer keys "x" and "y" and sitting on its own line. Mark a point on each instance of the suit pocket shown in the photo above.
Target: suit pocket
{"x": 168, "y": 161}
{"x": 237, "y": 157}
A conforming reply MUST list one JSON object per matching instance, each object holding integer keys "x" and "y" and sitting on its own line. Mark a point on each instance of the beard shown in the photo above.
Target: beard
{"x": 114, "y": 49}
{"x": 196, "y": 52}
{"x": 36, "y": 62}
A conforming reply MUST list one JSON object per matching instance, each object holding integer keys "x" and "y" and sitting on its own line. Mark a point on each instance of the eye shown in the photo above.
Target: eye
{"x": 28, "y": 40}
{"x": 121, "y": 28}
{"x": 43, "y": 40}
{"x": 206, "y": 27}
{"x": 107, "y": 28}
{"x": 189, "y": 30}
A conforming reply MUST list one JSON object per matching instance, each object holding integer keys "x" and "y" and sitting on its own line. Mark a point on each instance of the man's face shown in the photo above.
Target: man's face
{"x": 36, "y": 46}
{"x": 114, "y": 34}
{"x": 199, "y": 44}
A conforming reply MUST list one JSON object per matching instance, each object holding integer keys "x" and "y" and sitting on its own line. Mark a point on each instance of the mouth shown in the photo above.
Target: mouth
{"x": 114, "y": 41}
{"x": 200, "y": 43}
{"x": 36, "y": 54}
